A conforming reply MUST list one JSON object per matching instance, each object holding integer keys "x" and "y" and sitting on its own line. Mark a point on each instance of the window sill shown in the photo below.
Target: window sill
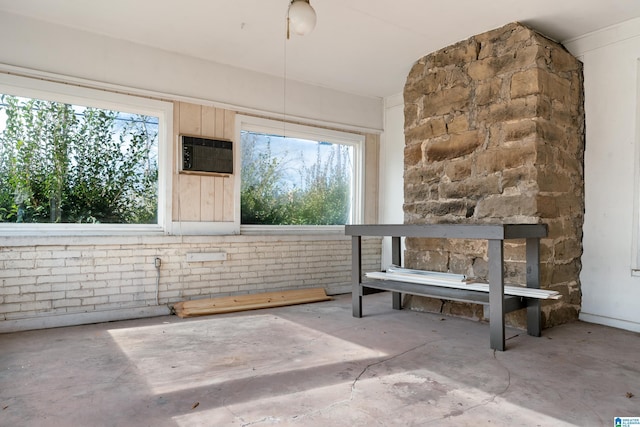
{"x": 271, "y": 230}
{"x": 54, "y": 230}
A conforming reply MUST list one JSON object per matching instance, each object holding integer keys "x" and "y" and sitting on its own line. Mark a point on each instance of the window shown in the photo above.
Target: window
{"x": 309, "y": 177}
{"x": 77, "y": 159}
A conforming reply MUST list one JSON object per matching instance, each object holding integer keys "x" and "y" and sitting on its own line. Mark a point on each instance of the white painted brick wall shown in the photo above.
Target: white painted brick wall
{"x": 52, "y": 276}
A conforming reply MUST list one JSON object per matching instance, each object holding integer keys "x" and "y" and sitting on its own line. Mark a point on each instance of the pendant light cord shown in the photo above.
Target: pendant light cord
{"x": 284, "y": 82}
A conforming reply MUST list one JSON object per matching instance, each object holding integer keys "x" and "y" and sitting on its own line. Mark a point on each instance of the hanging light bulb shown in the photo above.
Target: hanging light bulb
{"x": 302, "y": 17}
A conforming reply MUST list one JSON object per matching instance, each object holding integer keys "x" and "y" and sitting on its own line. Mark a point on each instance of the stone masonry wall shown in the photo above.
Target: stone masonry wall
{"x": 494, "y": 129}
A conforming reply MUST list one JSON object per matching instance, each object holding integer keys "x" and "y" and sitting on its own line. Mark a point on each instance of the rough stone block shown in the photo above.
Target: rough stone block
{"x": 546, "y": 153}
{"x": 413, "y": 154}
{"x": 482, "y": 70}
{"x": 434, "y": 80}
{"x": 577, "y": 94}
{"x": 480, "y": 268}
{"x": 571, "y": 205}
{"x": 424, "y": 174}
{"x": 505, "y": 39}
{"x": 552, "y": 133}
{"x": 555, "y": 87}
{"x": 459, "y": 124}
{"x": 566, "y": 272}
{"x": 430, "y": 128}
{"x": 410, "y": 115}
{"x": 423, "y": 304}
{"x": 421, "y": 244}
{"x": 517, "y": 319}
{"x": 487, "y": 162}
{"x": 414, "y": 95}
{"x": 520, "y": 108}
{"x": 437, "y": 79}
{"x": 460, "y": 309}
{"x": 505, "y": 64}
{"x": 518, "y": 36}
{"x": 473, "y": 188}
{"x": 554, "y": 181}
{"x": 459, "y": 169}
{"x": 459, "y": 264}
{"x": 473, "y": 248}
{"x": 518, "y": 177}
{"x": 560, "y": 314}
{"x": 458, "y": 54}
{"x": 562, "y": 61}
{"x": 416, "y": 73}
{"x": 575, "y": 293}
{"x": 520, "y": 130}
{"x": 525, "y": 83}
{"x": 547, "y": 206}
{"x": 515, "y": 273}
{"x": 500, "y": 159}
{"x": 515, "y": 250}
{"x": 419, "y": 193}
{"x": 446, "y": 101}
{"x": 488, "y": 91}
{"x": 455, "y": 146}
{"x": 527, "y": 56}
{"x": 505, "y": 207}
{"x": 428, "y": 260}
{"x": 444, "y": 208}
{"x": 557, "y": 228}
{"x": 517, "y": 155}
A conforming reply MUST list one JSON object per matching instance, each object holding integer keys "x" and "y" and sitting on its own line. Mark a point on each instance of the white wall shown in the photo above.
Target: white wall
{"x": 392, "y": 169}
{"x": 48, "y": 281}
{"x": 43, "y": 46}
{"x": 611, "y": 294}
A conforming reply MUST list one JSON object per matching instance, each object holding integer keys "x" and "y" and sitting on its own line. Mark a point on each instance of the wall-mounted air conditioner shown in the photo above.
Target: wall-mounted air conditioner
{"x": 206, "y": 155}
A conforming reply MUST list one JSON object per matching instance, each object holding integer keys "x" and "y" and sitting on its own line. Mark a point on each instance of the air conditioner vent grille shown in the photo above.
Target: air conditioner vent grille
{"x": 207, "y": 155}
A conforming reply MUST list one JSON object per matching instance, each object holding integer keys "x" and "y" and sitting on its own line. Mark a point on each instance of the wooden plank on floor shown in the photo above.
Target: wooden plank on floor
{"x": 231, "y": 304}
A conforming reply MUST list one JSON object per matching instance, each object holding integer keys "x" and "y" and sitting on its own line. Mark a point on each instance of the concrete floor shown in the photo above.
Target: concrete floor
{"x": 315, "y": 365}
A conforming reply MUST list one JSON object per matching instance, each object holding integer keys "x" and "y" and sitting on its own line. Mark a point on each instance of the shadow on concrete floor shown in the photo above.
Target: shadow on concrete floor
{"x": 316, "y": 365}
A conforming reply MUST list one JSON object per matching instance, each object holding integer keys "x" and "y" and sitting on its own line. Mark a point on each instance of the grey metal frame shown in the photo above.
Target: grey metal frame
{"x": 499, "y": 304}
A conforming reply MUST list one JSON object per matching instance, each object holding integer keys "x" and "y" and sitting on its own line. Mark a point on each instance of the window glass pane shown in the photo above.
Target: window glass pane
{"x": 63, "y": 163}
{"x": 290, "y": 181}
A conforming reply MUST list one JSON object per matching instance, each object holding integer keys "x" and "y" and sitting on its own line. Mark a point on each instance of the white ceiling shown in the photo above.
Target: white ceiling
{"x": 364, "y": 47}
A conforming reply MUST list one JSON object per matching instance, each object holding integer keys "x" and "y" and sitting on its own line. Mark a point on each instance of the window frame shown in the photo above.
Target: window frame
{"x": 90, "y": 97}
{"x": 294, "y": 130}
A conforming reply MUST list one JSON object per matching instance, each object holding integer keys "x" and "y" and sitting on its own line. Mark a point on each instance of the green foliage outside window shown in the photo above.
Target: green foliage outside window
{"x": 61, "y": 163}
{"x": 320, "y": 194}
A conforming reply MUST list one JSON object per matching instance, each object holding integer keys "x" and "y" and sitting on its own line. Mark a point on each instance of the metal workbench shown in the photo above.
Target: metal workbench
{"x": 499, "y": 305}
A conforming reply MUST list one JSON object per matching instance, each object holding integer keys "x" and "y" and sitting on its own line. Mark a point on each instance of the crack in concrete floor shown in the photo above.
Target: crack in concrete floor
{"x": 337, "y": 371}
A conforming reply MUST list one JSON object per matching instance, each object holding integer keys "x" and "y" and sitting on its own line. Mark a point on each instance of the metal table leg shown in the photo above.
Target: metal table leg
{"x": 534, "y": 314}
{"x": 496, "y": 295}
{"x": 396, "y": 253}
{"x": 356, "y": 274}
